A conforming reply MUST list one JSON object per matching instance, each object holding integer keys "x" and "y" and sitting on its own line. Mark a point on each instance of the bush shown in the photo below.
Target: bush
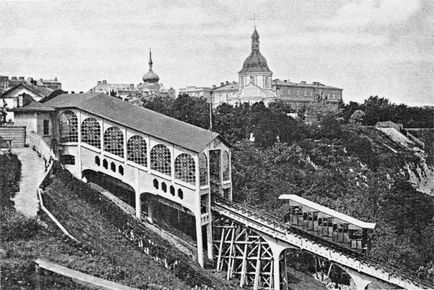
{"x": 15, "y": 226}
{"x": 10, "y": 172}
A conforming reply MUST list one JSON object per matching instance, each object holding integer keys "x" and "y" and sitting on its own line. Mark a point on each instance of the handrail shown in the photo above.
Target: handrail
{"x": 53, "y": 218}
{"x": 42, "y": 148}
{"x": 277, "y": 224}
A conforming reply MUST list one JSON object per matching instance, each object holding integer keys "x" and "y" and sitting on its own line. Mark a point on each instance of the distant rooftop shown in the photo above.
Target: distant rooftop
{"x": 302, "y": 84}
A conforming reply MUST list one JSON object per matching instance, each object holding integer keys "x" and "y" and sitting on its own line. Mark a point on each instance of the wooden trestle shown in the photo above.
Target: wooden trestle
{"x": 243, "y": 255}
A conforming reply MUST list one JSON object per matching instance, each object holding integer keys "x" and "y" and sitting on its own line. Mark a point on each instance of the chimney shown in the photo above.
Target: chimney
{"x": 104, "y": 82}
{"x": 98, "y": 82}
{"x": 81, "y": 92}
{"x": 222, "y": 83}
{"x": 72, "y": 92}
{"x": 285, "y": 81}
{"x": 303, "y": 82}
{"x": 21, "y": 78}
{"x": 227, "y": 82}
{"x": 14, "y": 78}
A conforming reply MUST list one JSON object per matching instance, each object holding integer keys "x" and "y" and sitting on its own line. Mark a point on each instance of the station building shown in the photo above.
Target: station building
{"x": 160, "y": 158}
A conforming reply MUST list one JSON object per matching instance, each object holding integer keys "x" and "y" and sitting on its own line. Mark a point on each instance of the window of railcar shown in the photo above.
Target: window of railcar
{"x": 160, "y": 159}
{"x": 185, "y": 168}
{"x": 91, "y": 132}
{"x": 136, "y": 150}
{"x": 203, "y": 167}
{"x": 68, "y": 127}
{"x": 225, "y": 164}
{"x": 114, "y": 141}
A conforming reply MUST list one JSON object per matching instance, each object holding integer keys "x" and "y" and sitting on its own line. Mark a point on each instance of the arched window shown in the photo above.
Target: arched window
{"x": 185, "y": 168}
{"x": 160, "y": 159}
{"x": 91, "y": 132}
{"x": 225, "y": 165}
{"x": 68, "y": 125}
{"x": 114, "y": 141}
{"x": 136, "y": 150}
{"x": 203, "y": 169}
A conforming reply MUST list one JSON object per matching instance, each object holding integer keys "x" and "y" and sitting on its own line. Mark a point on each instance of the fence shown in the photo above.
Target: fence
{"x": 17, "y": 134}
{"x": 39, "y": 145}
{"x": 42, "y": 265}
{"x": 47, "y": 154}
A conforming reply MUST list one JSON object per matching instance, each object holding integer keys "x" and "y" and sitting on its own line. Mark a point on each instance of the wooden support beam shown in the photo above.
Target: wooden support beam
{"x": 230, "y": 259}
{"x": 243, "y": 279}
{"x": 258, "y": 270}
{"x": 219, "y": 257}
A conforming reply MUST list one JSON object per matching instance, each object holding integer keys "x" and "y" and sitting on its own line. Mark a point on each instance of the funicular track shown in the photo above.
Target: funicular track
{"x": 274, "y": 227}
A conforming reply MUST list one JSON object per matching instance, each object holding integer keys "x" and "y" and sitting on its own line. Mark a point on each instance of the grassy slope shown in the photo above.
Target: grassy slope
{"x": 22, "y": 240}
{"x": 92, "y": 228}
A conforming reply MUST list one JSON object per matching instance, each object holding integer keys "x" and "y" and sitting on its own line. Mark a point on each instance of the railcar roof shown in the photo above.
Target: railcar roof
{"x": 328, "y": 211}
{"x": 138, "y": 118}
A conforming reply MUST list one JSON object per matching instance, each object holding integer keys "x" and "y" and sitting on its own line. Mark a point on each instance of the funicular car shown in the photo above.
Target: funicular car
{"x": 328, "y": 223}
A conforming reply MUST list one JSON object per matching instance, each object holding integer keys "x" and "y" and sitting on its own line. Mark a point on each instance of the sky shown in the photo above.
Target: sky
{"x": 366, "y": 47}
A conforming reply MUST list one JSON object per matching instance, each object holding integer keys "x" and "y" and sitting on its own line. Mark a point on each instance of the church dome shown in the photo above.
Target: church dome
{"x": 255, "y": 62}
{"x": 150, "y": 76}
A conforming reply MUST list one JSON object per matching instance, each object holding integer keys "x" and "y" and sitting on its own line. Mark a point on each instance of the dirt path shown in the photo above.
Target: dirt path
{"x": 32, "y": 170}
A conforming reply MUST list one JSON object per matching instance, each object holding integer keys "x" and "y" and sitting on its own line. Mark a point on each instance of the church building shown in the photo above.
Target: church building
{"x": 256, "y": 84}
{"x": 150, "y": 86}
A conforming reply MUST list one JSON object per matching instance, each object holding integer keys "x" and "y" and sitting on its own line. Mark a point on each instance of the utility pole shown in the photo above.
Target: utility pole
{"x": 210, "y": 112}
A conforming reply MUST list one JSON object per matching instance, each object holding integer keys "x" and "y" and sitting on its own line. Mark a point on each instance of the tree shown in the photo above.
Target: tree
{"x": 357, "y": 117}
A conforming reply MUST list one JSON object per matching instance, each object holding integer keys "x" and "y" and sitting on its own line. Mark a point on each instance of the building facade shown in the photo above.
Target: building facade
{"x": 197, "y": 92}
{"x": 256, "y": 84}
{"x": 20, "y": 95}
{"x": 99, "y": 134}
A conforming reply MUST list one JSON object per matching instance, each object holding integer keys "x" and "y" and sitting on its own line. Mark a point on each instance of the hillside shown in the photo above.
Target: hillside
{"x": 360, "y": 171}
{"x": 342, "y": 162}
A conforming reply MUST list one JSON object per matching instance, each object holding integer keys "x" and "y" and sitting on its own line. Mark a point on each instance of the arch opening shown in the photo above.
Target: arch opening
{"x": 68, "y": 127}
{"x": 185, "y": 168}
{"x": 91, "y": 132}
{"x": 114, "y": 141}
{"x": 161, "y": 159}
{"x": 300, "y": 263}
{"x": 137, "y": 150}
{"x": 170, "y": 215}
{"x": 120, "y": 189}
{"x": 203, "y": 169}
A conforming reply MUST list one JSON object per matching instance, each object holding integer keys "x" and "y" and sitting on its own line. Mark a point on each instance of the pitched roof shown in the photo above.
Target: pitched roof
{"x": 34, "y": 106}
{"x": 278, "y": 82}
{"x": 42, "y": 91}
{"x": 227, "y": 87}
{"x": 138, "y": 118}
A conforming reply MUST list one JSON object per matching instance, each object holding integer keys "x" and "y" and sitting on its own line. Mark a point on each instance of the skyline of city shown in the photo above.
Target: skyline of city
{"x": 367, "y": 48}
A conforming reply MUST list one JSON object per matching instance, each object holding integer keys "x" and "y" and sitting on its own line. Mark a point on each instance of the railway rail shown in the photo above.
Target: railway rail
{"x": 275, "y": 227}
